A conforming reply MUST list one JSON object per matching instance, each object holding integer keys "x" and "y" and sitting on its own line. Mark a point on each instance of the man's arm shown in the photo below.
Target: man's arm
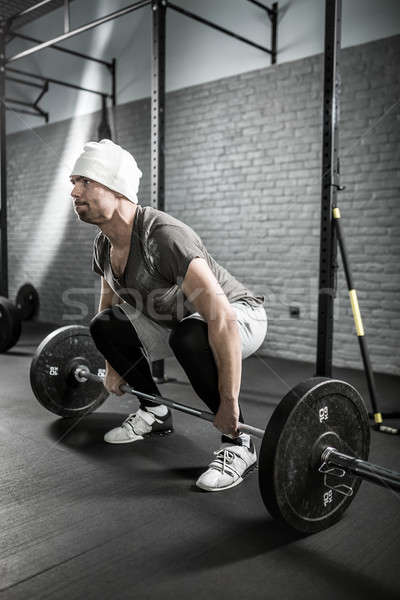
{"x": 204, "y": 292}
{"x": 109, "y": 298}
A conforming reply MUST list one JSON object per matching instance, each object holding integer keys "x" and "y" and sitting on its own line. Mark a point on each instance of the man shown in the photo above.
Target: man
{"x": 162, "y": 294}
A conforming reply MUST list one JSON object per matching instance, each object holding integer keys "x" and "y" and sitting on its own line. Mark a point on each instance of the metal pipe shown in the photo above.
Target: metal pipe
{"x": 274, "y": 32}
{"x": 43, "y": 113}
{"x": 29, "y": 38}
{"x": 30, "y": 83}
{"x": 39, "y": 111}
{"x": 58, "y": 82}
{"x": 82, "y": 373}
{"x": 28, "y": 10}
{"x": 25, "y": 112}
{"x": 66, "y": 16}
{"x": 217, "y": 27}
{"x": 157, "y": 127}
{"x": 21, "y": 102}
{"x": 42, "y": 93}
{"x": 158, "y": 106}
{"x": 357, "y": 317}
{"x": 362, "y": 468}
{"x": 114, "y": 81}
{"x": 329, "y": 184}
{"x": 266, "y": 8}
{"x": 91, "y": 25}
{"x": 3, "y": 170}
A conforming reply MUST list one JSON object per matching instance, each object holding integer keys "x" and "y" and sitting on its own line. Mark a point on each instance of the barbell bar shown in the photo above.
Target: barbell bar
{"x": 314, "y": 450}
{"x": 82, "y": 373}
{"x": 330, "y": 456}
{"x": 361, "y": 468}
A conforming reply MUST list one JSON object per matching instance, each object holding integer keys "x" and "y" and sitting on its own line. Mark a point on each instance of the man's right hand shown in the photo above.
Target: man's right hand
{"x": 113, "y": 381}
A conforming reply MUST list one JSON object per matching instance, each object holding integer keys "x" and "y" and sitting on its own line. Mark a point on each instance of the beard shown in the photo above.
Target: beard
{"x": 83, "y": 213}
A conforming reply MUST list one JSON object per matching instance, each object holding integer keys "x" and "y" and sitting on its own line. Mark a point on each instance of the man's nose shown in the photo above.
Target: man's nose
{"x": 75, "y": 192}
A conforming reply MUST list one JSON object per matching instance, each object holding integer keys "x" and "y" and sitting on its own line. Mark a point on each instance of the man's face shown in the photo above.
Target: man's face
{"x": 92, "y": 201}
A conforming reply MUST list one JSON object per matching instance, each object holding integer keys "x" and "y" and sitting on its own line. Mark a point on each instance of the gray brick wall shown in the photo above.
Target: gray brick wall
{"x": 243, "y": 168}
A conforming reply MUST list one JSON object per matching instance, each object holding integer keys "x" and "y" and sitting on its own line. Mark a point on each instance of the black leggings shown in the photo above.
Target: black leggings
{"x": 117, "y": 340}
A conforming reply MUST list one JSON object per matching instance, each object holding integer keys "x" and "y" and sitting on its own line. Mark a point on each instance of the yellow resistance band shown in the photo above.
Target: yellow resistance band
{"x": 356, "y": 312}
{"x": 357, "y": 315}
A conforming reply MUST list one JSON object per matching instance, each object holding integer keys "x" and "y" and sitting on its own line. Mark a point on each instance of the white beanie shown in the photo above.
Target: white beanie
{"x": 111, "y": 165}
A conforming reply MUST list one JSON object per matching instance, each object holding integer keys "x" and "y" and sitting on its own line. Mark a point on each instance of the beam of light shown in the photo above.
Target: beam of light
{"x": 49, "y": 230}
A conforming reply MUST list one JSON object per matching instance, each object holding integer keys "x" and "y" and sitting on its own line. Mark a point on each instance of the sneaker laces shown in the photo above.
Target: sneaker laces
{"x": 225, "y": 458}
{"x": 140, "y": 422}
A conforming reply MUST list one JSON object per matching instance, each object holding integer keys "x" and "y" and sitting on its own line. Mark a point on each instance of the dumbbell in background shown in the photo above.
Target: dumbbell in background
{"x": 26, "y": 307}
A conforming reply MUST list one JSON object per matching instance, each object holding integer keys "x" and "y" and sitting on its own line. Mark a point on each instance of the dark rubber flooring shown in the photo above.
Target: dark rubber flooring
{"x": 81, "y": 519}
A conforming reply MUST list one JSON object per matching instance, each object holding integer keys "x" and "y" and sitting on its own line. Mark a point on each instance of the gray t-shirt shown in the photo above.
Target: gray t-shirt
{"x": 162, "y": 248}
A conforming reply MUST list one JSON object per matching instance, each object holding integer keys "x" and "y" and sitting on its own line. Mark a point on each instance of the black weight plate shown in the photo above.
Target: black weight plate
{"x": 10, "y": 325}
{"x": 51, "y": 372}
{"x": 16, "y": 324}
{"x": 292, "y": 488}
{"x": 27, "y": 302}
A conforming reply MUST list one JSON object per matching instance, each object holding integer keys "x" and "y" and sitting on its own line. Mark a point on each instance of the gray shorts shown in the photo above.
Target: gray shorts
{"x": 251, "y": 320}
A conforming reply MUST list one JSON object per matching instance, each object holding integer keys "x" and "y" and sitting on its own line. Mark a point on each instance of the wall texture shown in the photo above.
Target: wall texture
{"x": 243, "y": 168}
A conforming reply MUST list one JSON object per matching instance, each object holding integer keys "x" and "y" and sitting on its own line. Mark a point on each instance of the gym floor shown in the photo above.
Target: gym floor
{"x": 81, "y": 518}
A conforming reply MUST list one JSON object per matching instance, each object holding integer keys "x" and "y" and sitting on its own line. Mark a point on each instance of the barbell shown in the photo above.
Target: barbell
{"x": 26, "y": 307}
{"x": 314, "y": 449}
{"x": 27, "y": 302}
{"x": 10, "y": 324}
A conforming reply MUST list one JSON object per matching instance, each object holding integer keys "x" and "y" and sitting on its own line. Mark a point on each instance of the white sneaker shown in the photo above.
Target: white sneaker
{"x": 137, "y": 425}
{"x": 228, "y": 469}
